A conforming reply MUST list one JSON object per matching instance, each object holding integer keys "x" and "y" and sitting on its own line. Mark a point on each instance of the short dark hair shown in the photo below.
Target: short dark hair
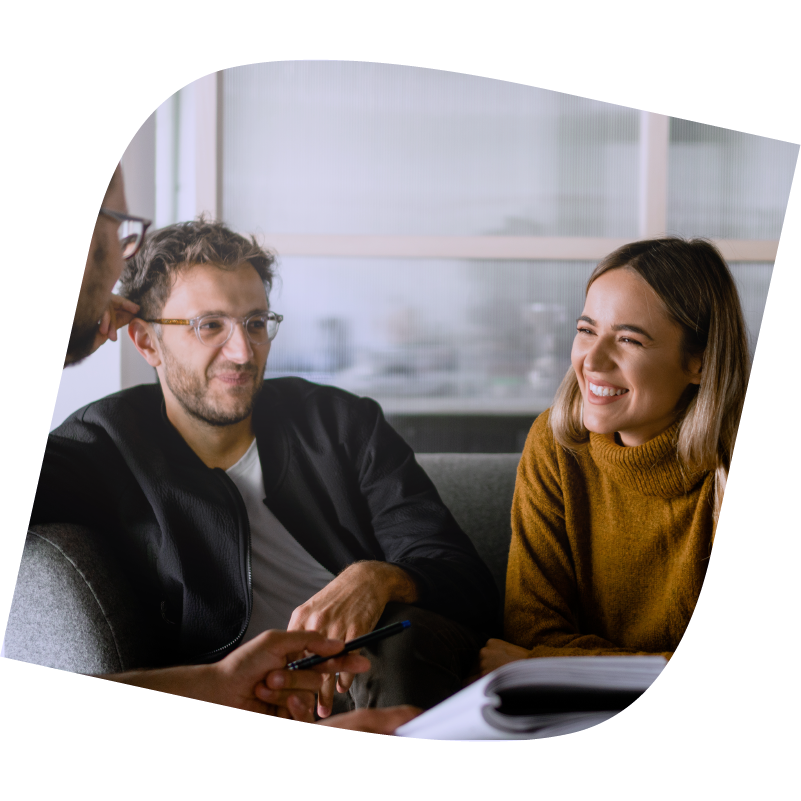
{"x": 148, "y": 278}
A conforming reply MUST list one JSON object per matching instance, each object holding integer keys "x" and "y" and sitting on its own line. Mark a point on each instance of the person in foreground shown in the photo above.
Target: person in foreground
{"x": 240, "y": 505}
{"x": 251, "y": 676}
{"x": 620, "y": 484}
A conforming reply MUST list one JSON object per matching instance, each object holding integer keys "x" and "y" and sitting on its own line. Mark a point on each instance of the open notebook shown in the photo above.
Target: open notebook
{"x": 536, "y": 698}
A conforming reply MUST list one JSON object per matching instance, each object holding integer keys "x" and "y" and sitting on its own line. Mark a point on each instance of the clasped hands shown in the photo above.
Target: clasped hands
{"x": 348, "y": 607}
{"x": 254, "y": 677}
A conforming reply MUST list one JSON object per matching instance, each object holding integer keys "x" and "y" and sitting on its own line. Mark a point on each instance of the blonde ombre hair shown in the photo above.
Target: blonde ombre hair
{"x": 699, "y": 295}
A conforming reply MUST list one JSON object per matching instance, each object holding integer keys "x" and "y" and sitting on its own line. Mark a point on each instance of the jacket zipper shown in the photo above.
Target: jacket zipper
{"x": 243, "y": 516}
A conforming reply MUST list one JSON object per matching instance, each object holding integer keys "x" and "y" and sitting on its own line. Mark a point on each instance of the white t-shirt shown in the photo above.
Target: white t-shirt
{"x": 284, "y": 574}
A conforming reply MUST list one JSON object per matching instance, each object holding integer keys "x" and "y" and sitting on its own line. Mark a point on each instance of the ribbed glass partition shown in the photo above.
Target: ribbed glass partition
{"x": 355, "y": 148}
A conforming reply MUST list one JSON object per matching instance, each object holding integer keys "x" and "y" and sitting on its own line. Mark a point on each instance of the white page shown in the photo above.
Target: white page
{"x": 460, "y": 717}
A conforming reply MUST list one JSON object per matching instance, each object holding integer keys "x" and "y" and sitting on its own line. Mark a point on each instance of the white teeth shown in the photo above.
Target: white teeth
{"x": 603, "y": 392}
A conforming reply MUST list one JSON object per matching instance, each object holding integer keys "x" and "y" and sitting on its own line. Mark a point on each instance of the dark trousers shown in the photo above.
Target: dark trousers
{"x": 421, "y": 666}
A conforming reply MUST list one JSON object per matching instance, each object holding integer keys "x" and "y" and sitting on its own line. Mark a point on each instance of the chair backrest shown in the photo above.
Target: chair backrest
{"x": 478, "y": 489}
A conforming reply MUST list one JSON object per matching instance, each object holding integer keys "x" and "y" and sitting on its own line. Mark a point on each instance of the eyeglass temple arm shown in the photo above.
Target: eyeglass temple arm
{"x": 118, "y": 215}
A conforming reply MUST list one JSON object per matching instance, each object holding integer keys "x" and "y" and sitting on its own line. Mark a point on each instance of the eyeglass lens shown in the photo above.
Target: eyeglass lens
{"x": 130, "y": 233}
{"x": 216, "y": 330}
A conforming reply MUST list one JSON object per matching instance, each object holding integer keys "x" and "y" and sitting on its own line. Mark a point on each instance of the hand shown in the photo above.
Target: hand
{"x": 348, "y": 607}
{"x": 376, "y": 721}
{"x": 118, "y": 313}
{"x": 251, "y": 677}
{"x": 498, "y": 652}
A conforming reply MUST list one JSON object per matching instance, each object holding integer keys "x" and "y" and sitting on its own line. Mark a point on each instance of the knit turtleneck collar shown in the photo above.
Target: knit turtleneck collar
{"x": 652, "y": 468}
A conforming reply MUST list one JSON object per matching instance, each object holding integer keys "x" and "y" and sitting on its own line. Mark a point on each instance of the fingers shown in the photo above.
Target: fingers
{"x": 487, "y": 658}
{"x": 350, "y": 663}
{"x": 282, "y": 644}
{"x": 325, "y": 698}
{"x": 376, "y": 721}
{"x": 300, "y": 709}
{"x": 122, "y": 318}
{"x": 111, "y": 333}
{"x": 296, "y": 620}
{"x": 296, "y": 704}
{"x": 123, "y": 311}
{"x": 294, "y": 680}
{"x": 123, "y": 304}
{"x": 105, "y": 322}
{"x": 497, "y": 653}
{"x": 344, "y": 680}
{"x": 118, "y": 313}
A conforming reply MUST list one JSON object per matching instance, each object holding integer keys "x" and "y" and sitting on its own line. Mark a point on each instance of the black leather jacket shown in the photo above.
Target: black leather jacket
{"x": 336, "y": 475}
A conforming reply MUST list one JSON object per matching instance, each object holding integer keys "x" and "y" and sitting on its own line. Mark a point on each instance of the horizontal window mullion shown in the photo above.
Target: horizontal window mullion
{"x": 526, "y": 248}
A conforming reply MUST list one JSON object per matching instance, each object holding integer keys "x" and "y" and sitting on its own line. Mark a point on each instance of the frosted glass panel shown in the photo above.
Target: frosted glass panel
{"x": 752, "y": 282}
{"x": 727, "y": 184}
{"x": 443, "y": 336}
{"x": 357, "y": 148}
{"x": 430, "y": 336}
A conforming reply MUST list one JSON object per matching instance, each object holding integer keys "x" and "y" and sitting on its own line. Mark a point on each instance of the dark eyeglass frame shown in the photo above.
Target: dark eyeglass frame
{"x": 121, "y": 218}
{"x": 196, "y": 321}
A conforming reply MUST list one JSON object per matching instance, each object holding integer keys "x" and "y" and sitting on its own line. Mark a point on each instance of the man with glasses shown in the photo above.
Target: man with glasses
{"x": 242, "y": 505}
{"x": 251, "y": 676}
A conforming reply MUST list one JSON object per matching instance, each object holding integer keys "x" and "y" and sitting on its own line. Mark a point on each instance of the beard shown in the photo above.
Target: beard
{"x": 82, "y": 342}
{"x": 192, "y": 392}
{"x": 92, "y": 301}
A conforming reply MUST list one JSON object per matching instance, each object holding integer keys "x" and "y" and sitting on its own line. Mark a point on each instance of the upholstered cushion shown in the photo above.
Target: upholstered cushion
{"x": 73, "y": 608}
{"x": 478, "y": 489}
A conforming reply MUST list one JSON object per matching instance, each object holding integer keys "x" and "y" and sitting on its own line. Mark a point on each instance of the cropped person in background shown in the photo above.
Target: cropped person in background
{"x": 99, "y": 313}
{"x": 620, "y": 484}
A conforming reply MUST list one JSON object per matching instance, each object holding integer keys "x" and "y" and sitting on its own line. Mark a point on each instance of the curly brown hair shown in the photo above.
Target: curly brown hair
{"x": 148, "y": 278}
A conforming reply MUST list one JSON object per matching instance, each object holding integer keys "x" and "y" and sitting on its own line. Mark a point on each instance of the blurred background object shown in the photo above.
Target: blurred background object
{"x": 435, "y": 230}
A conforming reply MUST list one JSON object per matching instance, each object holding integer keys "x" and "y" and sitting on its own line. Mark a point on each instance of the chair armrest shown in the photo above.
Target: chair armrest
{"x": 73, "y": 607}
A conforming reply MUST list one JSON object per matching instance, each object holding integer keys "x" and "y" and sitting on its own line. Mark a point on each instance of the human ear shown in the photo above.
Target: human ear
{"x": 144, "y": 340}
{"x": 695, "y": 369}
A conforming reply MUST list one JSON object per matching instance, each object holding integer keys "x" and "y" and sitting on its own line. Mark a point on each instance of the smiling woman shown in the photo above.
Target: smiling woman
{"x": 620, "y": 484}
{"x": 685, "y": 293}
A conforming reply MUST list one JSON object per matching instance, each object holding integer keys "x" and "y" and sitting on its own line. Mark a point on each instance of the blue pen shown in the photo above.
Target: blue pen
{"x": 373, "y": 636}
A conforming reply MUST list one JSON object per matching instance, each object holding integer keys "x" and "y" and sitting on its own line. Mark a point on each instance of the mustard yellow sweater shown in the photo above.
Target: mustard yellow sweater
{"x": 609, "y": 546}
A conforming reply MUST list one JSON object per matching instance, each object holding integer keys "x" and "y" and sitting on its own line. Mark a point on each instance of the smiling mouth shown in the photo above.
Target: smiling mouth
{"x": 605, "y": 392}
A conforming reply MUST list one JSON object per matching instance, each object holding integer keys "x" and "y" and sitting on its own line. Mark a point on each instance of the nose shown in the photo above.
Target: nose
{"x": 598, "y": 358}
{"x": 238, "y": 348}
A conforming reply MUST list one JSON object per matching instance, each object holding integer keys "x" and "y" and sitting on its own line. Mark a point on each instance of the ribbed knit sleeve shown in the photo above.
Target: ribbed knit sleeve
{"x": 540, "y": 580}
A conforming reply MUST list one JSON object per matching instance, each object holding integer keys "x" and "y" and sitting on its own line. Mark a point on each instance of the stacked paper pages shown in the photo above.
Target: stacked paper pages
{"x": 536, "y": 698}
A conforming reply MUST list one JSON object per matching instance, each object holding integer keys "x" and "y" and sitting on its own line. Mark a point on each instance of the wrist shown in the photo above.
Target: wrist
{"x": 200, "y": 682}
{"x": 390, "y": 583}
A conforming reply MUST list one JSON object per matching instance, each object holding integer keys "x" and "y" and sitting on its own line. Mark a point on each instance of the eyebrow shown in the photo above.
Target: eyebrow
{"x": 622, "y": 327}
{"x": 261, "y": 310}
